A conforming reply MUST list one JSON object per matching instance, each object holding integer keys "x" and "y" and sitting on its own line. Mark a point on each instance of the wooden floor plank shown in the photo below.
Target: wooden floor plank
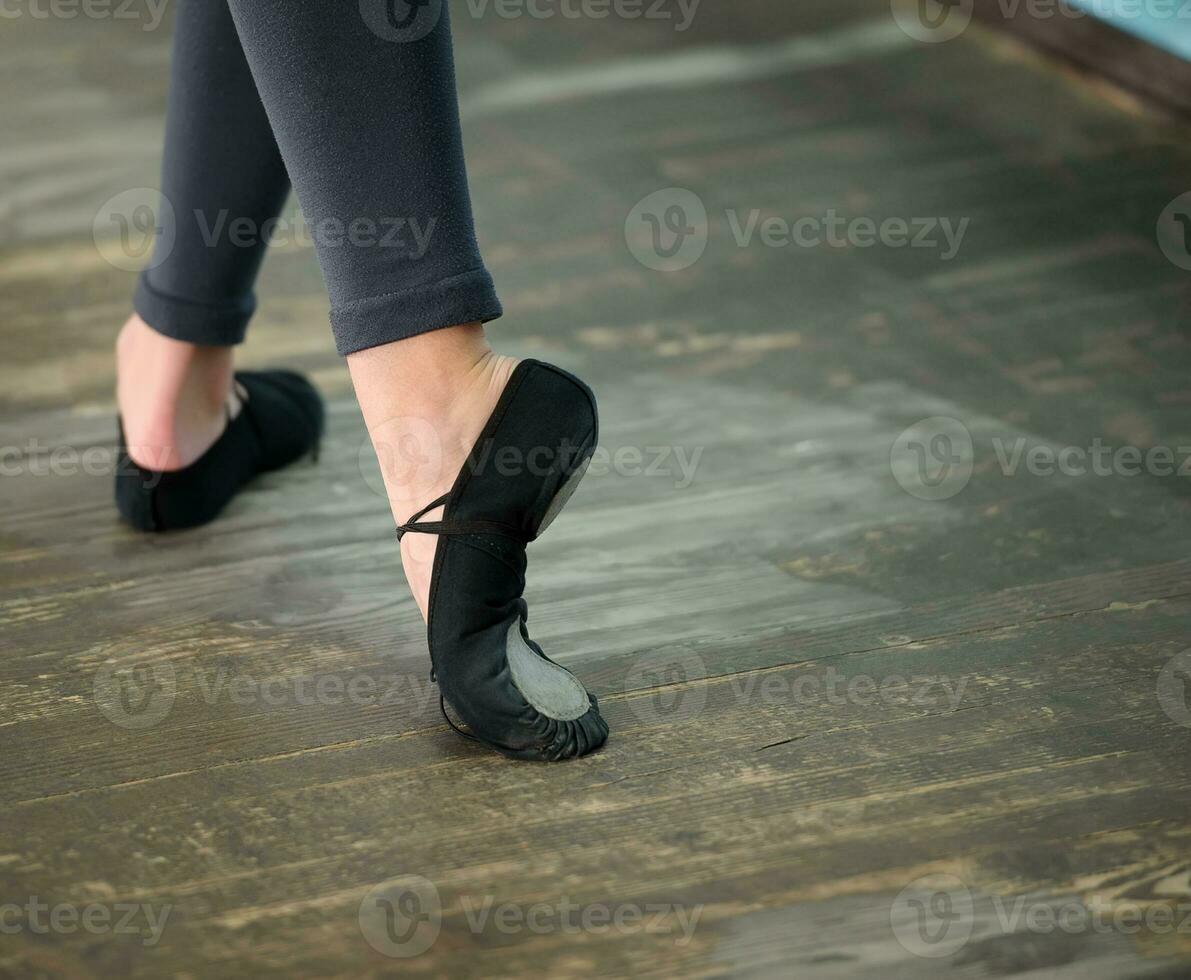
{"x": 718, "y": 602}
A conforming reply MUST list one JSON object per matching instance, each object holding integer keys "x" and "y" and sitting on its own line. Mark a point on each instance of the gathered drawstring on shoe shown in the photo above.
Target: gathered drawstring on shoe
{"x": 442, "y": 706}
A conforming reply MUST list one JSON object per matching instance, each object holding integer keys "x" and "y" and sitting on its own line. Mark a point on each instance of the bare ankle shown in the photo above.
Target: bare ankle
{"x": 173, "y": 396}
{"x": 425, "y": 401}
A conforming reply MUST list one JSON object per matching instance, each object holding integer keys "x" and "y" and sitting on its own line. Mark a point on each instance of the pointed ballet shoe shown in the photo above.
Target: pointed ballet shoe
{"x": 280, "y": 420}
{"x": 523, "y": 468}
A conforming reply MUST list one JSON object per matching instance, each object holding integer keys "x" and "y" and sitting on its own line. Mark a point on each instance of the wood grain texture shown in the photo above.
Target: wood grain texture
{"x": 829, "y": 698}
{"x": 1102, "y": 47}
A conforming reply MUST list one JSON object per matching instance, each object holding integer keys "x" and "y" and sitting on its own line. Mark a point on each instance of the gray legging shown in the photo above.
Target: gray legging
{"x": 355, "y": 103}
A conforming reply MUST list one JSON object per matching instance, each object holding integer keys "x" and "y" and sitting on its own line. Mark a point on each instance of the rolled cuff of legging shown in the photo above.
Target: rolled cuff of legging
{"x": 466, "y": 298}
{"x": 208, "y": 324}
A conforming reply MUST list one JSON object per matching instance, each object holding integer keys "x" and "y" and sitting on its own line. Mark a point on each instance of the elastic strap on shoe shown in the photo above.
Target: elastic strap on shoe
{"x": 458, "y": 527}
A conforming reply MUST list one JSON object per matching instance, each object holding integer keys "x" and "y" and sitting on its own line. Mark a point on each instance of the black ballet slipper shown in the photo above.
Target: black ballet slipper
{"x": 524, "y": 467}
{"x": 280, "y": 420}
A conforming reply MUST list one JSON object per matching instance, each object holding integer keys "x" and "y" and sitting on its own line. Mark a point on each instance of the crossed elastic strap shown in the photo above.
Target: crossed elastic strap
{"x": 456, "y": 527}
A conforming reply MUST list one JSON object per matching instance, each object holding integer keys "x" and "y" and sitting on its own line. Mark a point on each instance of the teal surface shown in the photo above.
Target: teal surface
{"x": 1166, "y": 23}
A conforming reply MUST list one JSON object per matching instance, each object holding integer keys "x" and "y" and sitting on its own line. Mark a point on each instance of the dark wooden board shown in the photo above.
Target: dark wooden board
{"x": 710, "y": 610}
{"x": 1102, "y": 47}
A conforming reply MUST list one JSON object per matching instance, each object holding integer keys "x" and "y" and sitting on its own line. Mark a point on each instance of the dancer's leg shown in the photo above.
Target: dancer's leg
{"x": 221, "y": 165}
{"x": 425, "y": 401}
{"x": 369, "y": 129}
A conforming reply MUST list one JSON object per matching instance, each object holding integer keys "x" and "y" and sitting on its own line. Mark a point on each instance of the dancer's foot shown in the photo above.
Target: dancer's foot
{"x": 192, "y": 433}
{"x": 503, "y": 444}
{"x": 528, "y": 459}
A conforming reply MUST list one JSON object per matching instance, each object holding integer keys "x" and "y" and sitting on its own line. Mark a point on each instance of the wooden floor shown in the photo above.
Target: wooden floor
{"x": 753, "y": 815}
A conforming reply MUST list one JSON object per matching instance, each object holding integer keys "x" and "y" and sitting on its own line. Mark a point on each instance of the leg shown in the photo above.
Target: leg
{"x": 369, "y": 130}
{"x": 425, "y": 401}
{"x": 221, "y": 163}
